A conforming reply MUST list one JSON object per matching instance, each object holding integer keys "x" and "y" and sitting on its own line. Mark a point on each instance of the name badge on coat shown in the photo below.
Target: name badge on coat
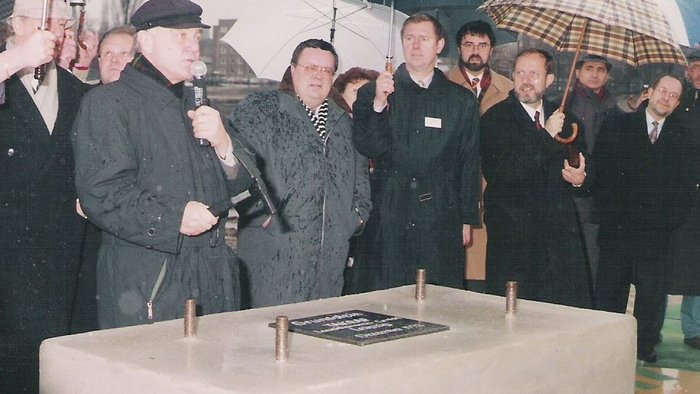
{"x": 435, "y": 123}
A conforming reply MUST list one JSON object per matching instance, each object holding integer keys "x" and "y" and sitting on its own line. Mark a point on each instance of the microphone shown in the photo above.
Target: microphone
{"x": 199, "y": 83}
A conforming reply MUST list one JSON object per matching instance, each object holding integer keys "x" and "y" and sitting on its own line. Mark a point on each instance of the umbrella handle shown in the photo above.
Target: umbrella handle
{"x": 389, "y": 65}
{"x": 571, "y": 149}
{"x": 40, "y": 71}
{"x": 570, "y": 139}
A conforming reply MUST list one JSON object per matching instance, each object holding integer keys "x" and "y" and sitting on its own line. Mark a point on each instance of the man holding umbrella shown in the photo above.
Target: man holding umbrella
{"x": 422, "y": 130}
{"x": 40, "y": 233}
{"x": 533, "y": 229}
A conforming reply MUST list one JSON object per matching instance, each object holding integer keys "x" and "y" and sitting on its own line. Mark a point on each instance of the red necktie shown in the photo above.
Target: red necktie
{"x": 475, "y": 83}
{"x": 537, "y": 120}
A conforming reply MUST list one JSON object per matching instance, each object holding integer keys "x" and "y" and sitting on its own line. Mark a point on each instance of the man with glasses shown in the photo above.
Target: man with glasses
{"x": 638, "y": 164}
{"x": 475, "y": 42}
{"x": 423, "y": 133}
{"x": 40, "y": 233}
{"x": 684, "y": 251}
{"x": 318, "y": 181}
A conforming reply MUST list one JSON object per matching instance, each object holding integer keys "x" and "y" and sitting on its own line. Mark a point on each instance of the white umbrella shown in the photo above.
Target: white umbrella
{"x": 267, "y": 32}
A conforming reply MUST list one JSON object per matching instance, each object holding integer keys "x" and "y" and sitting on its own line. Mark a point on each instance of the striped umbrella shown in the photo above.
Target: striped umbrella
{"x": 632, "y": 31}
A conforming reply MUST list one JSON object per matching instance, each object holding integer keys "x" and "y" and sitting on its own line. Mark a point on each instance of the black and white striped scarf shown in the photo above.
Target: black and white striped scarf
{"x": 318, "y": 118}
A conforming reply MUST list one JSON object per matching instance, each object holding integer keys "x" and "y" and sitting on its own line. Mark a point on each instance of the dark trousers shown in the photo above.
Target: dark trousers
{"x": 626, "y": 262}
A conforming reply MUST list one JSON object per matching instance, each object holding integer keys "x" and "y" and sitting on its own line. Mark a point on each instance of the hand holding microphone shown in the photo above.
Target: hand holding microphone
{"x": 199, "y": 83}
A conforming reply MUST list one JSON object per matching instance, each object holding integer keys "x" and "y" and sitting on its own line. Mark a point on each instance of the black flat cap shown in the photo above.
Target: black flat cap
{"x": 693, "y": 56}
{"x": 173, "y": 14}
{"x": 593, "y": 59}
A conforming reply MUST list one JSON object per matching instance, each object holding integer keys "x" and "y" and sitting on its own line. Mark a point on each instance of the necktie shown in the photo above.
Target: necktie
{"x": 654, "y": 135}
{"x": 475, "y": 84}
{"x": 537, "y": 120}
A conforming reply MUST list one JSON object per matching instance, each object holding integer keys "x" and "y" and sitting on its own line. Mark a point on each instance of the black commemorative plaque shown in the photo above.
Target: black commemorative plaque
{"x": 361, "y": 327}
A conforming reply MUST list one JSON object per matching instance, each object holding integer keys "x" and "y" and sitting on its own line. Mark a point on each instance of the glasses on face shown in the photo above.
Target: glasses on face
{"x": 313, "y": 69}
{"x": 529, "y": 75}
{"x": 468, "y": 45}
{"x": 667, "y": 93}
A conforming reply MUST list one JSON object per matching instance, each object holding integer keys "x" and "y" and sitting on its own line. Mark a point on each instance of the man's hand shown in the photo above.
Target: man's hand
{"x": 555, "y": 123}
{"x": 207, "y": 124}
{"x": 466, "y": 234}
{"x": 79, "y": 209}
{"x": 385, "y": 87}
{"x": 87, "y": 54}
{"x": 69, "y": 50}
{"x": 37, "y": 50}
{"x": 575, "y": 176}
{"x": 196, "y": 219}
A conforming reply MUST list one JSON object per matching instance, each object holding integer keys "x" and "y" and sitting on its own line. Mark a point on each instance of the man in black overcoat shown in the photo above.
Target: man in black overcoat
{"x": 533, "y": 231}
{"x": 144, "y": 178}
{"x": 637, "y": 161}
{"x": 684, "y": 251}
{"x": 40, "y": 232}
{"x": 423, "y": 133}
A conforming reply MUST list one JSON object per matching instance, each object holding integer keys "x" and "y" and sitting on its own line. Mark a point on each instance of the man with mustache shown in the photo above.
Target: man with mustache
{"x": 638, "y": 160}
{"x": 533, "y": 230}
{"x": 475, "y": 43}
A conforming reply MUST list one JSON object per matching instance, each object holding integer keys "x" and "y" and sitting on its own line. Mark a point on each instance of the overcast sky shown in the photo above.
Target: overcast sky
{"x": 220, "y": 9}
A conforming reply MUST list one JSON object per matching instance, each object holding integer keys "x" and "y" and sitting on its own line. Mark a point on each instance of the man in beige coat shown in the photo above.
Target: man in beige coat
{"x": 475, "y": 42}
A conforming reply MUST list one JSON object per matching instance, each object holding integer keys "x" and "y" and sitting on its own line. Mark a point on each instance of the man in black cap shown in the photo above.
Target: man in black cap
{"x": 591, "y": 102}
{"x": 143, "y": 178}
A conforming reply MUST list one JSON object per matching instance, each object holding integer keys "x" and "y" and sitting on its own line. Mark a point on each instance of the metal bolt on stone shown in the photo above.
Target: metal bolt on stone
{"x": 511, "y": 297}
{"x": 190, "y": 317}
{"x": 281, "y": 338}
{"x": 420, "y": 284}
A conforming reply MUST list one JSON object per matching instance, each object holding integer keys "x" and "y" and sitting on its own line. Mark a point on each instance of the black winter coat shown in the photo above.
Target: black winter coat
{"x": 137, "y": 166}
{"x": 321, "y": 190}
{"x": 531, "y": 221}
{"x": 684, "y": 249}
{"x": 40, "y": 232}
{"x": 426, "y": 150}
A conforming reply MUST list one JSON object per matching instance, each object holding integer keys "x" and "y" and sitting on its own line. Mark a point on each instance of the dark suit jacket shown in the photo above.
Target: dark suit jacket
{"x": 636, "y": 180}
{"x": 40, "y": 233}
{"x": 533, "y": 231}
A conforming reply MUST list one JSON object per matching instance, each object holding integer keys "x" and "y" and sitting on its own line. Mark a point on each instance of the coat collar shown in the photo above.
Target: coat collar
{"x": 292, "y": 105}
{"x": 146, "y": 86}
{"x": 23, "y": 106}
{"x": 402, "y": 77}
